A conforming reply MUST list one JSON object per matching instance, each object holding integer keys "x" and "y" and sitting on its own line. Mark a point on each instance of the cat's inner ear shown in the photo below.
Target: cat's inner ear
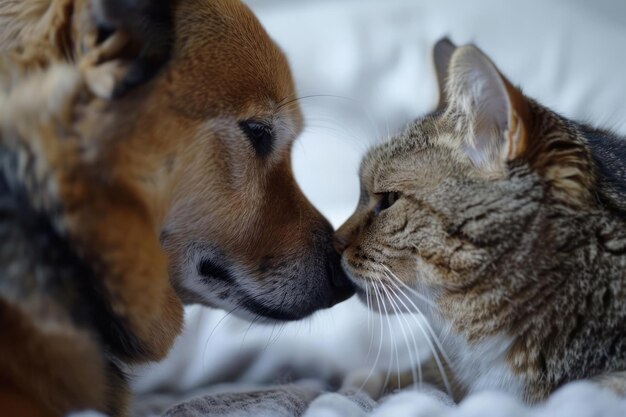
{"x": 492, "y": 114}
{"x": 442, "y": 53}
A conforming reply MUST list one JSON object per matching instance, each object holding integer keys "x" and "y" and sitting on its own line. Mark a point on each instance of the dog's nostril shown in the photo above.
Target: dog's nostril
{"x": 210, "y": 269}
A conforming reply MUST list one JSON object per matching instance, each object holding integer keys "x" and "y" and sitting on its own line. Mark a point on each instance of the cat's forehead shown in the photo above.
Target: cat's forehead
{"x": 419, "y": 136}
{"x": 385, "y": 155}
{"x": 424, "y": 154}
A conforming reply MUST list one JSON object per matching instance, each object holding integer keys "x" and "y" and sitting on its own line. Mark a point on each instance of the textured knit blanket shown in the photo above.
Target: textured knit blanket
{"x": 223, "y": 367}
{"x": 574, "y": 400}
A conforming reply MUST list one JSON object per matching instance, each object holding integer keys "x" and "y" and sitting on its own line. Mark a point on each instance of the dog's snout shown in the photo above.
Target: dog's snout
{"x": 337, "y": 286}
{"x": 342, "y": 287}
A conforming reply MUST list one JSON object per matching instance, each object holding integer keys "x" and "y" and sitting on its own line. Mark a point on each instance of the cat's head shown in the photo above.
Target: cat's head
{"x": 477, "y": 185}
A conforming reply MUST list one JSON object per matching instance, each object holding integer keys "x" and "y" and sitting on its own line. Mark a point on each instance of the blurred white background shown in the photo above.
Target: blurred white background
{"x": 374, "y": 56}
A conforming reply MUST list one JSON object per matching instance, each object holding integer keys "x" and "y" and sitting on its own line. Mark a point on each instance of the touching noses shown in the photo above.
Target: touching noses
{"x": 341, "y": 242}
{"x": 347, "y": 233}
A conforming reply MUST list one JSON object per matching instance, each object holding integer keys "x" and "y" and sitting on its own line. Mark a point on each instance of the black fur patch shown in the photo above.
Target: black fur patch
{"x": 150, "y": 25}
{"x": 609, "y": 154}
{"x": 36, "y": 261}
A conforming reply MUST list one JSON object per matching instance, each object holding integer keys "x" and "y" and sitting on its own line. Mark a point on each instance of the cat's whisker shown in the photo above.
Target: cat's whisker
{"x": 380, "y": 348}
{"x": 385, "y": 292}
{"x": 425, "y": 327}
{"x": 426, "y": 323}
{"x": 369, "y": 307}
{"x": 461, "y": 201}
{"x": 445, "y": 332}
{"x": 378, "y": 290}
{"x": 415, "y": 362}
{"x": 422, "y": 297}
{"x": 431, "y": 338}
{"x": 369, "y": 320}
{"x": 436, "y": 338}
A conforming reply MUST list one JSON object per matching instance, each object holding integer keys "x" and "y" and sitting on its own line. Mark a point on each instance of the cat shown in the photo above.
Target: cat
{"x": 504, "y": 223}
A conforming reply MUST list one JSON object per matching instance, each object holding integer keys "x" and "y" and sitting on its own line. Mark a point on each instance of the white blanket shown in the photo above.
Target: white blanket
{"x": 569, "y": 54}
{"x": 578, "y": 399}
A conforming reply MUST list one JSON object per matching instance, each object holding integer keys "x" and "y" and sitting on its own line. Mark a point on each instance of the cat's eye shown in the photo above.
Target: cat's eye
{"x": 386, "y": 200}
{"x": 259, "y": 134}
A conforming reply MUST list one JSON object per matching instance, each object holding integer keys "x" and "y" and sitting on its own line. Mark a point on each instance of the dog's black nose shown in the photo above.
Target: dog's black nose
{"x": 341, "y": 286}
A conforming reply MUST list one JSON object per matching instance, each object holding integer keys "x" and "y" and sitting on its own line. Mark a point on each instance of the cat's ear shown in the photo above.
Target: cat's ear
{"x": 496, "y": 125}
{"x": 442, "y": 54}
{"x": 492, "y": 114}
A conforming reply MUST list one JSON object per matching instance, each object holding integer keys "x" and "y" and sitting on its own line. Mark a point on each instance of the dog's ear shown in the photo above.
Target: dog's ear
{"x": 118, "y": 44}
{"x": 148, "y": 26}
{"x": 138, "y": 33}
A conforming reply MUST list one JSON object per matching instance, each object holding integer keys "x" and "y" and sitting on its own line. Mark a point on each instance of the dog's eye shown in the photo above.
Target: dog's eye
{"x": 386, "y": 200}
{"x": 260, "y": 135}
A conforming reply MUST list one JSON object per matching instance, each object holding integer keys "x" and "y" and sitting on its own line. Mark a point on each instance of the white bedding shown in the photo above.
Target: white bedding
{"x": 569, "y": 54}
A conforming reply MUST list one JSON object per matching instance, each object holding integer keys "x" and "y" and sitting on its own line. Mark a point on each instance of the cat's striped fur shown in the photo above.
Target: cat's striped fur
{"x": 510, "y": 219}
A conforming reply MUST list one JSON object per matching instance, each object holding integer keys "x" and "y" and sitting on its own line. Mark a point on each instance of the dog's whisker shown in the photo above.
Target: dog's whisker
{"x": 284, "y": 99}
{"x": 397, "y": 314}
{"x": 206, "y": 344}
{"x": 269, "y": 339}
{"x": 252, "y": 323}
{"x": 281, "y": 328}
{"x": 354, "y": 139}
{"x": 359, "y": 106}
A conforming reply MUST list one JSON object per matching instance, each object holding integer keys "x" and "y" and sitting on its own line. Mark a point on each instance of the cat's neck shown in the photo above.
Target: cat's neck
{"x": 552, "y": 329}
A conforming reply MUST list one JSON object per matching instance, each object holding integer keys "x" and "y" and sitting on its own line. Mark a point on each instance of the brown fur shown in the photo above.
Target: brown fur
{"x": 144, "y": 184}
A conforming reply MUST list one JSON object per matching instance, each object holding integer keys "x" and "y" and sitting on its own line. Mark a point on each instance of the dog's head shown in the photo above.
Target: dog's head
{"x": 221, "y": 122}
{"x": 206, "y": 144}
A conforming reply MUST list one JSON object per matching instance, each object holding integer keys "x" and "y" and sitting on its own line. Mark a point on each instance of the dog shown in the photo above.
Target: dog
{"x": 141, "y": 171}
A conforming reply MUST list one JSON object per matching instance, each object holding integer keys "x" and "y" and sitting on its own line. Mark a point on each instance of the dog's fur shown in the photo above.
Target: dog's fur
{"x": 121, "y": 196}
